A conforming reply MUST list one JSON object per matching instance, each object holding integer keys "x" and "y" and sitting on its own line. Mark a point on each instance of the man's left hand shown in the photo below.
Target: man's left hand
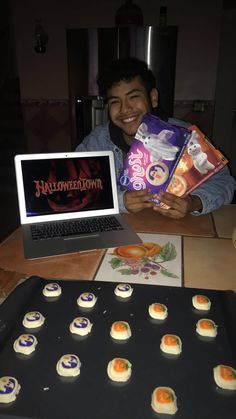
{"x": 178, "y": 207}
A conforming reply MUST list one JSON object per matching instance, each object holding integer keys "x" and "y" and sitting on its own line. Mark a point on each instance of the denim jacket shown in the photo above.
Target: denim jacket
{"x": 214, "y": 192}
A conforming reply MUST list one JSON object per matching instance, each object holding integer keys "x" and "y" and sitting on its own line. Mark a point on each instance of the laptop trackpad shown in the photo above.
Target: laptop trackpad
{"x": 84, "y": 242}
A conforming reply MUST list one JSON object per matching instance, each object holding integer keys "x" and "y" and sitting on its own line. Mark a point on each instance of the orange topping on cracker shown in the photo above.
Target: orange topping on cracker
{"x": 227, "y": 373}
{"x": 158, "y": 307}
{"x": 120, "y": 365}
{"x": 206, "y": 324}
{"x": 163, "y": 395}
{"x": 120, "y": 326}
{"x": 171, "y": 340}
{"x": 201, "y": 299}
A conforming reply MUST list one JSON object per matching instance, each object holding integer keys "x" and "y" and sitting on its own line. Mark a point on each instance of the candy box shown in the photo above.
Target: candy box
{"x": 200, "y": 160}
{"x": 153, "y": 155}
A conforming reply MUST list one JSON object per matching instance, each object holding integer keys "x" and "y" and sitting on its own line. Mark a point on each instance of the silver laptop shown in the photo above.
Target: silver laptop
{"x": 68, "y": 203}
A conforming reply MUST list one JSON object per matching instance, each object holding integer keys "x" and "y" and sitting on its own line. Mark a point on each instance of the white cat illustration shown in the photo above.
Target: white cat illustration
{"x": 157, "y": 144}
{"x": 199, "y": 158}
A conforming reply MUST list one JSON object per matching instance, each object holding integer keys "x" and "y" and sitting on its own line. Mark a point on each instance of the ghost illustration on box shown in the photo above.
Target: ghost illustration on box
{"x": 157, "y": 144}
{"x": 199, "y": 158}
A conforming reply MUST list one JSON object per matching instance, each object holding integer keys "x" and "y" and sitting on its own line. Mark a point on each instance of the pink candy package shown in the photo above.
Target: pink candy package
{"x": 153, "y": 155}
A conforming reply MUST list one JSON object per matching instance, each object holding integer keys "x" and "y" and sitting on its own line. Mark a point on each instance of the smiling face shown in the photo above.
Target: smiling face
{"x": 128, "y": 101}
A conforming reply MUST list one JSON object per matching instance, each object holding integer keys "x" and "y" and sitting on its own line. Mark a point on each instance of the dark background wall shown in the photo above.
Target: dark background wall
{"x": 198, "y": 41}
{"x": 44, "y": 77}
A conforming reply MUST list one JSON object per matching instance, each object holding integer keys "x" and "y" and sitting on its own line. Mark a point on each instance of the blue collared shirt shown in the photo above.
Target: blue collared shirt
{"x": 216, "y": 191}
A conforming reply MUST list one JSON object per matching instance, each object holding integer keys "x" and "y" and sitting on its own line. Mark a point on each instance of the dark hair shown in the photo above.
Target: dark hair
{"x": 125, "y": 69}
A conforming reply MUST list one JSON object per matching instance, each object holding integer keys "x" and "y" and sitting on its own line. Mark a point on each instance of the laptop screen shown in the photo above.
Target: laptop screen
{"x": 59, "y": 187}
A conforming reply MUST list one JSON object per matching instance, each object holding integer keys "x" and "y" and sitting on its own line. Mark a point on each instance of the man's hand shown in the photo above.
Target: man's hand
{"x": 178, "y": 207}
{"x": 135, "y": 201}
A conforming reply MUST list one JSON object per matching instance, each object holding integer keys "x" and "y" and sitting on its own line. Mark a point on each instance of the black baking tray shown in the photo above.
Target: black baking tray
{"x": 45, "y": 395}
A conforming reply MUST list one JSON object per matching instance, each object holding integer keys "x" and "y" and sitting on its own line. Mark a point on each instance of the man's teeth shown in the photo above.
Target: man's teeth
{"x": 131, "y": 119}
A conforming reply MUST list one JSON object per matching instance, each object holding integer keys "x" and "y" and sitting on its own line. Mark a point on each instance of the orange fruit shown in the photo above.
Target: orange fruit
{"x": 152, "y": 248}
{"x": 131, "y": 251}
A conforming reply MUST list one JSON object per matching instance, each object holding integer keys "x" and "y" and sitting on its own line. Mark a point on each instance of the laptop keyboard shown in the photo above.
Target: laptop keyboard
{"x": 74, "y": 227}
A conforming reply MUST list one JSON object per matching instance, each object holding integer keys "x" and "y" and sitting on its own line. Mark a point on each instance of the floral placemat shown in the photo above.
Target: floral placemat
{"x": 156, "y": 261}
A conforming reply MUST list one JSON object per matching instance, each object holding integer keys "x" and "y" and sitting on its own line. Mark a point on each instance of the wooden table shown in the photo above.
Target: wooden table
{"x": 225, "y": 220}
{"x": 148, "y": 221}
{"x": 209, "y": 260}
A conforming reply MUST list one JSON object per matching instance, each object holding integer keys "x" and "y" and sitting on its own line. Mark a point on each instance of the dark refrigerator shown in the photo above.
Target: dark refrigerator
{"x": 89, "y": 50}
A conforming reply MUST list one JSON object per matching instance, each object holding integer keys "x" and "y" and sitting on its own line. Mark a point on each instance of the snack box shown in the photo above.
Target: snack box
{"x": 200, "y": 160}
{"x": 153, "y": 155}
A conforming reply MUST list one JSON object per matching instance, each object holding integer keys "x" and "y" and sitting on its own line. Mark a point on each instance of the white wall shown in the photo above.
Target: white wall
{"x": 44, "y": 76}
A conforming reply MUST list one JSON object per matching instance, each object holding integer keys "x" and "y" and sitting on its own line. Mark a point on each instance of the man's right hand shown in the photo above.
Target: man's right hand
{"x": 136, "y": 201}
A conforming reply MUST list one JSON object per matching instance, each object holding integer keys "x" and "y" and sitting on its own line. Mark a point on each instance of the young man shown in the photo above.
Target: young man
{"x": 130, "y": 91}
